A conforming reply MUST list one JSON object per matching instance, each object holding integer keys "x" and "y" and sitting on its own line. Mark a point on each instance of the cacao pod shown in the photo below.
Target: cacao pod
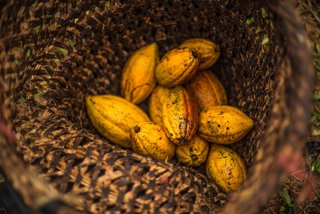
{"x": 177, "y": 67}
{"x": 149, "y": 139}
{"x": 208, "y": 51}
{"x": 156, "y": 101}
{"x": 138, "y": 79}
{"x": 179, "y": 116}
{"x": 225, "y": 167}
{"x": 113, "y": 117}
{"x": 207, "y": 90}
{"x": 224, "y": 124}
{"x": 194, "y": 153}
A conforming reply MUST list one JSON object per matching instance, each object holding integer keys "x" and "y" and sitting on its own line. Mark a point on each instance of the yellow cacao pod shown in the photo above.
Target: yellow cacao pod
{"x": 208, "y": 51}
{"x": 179, "y": 116}
{"x": 177, "y": 67}
{"x": 149, "y": 139}
{"x": 194, "y": 153}
{"x": 225, "y": 167}
{"x": 113, "y": 117}
{"x": 138, "y": 79}
{"x": 156, "y": 101}
{"x": 207, "y": 90}
{"x": 224, "y": 124}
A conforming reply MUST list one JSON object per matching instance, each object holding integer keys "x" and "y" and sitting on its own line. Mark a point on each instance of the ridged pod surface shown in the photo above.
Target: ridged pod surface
{"x": 194, "y": 153}
{"x": 180, "y": 116}
{"x": 207, "y": 90}
{"x": 224, "y": 124}
{"x": 113, "y": 117}
{"x": 156, "y": 101}
{"x": 177, "y": 67}
{"x": 208, "y": 51}
{"x": 149, "y": 139}
{"x": 225, "y": 167}
{"x": 138, "y": 79}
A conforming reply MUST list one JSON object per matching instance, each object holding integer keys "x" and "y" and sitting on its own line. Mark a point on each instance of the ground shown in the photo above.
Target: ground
{"x": 285, "y": 200}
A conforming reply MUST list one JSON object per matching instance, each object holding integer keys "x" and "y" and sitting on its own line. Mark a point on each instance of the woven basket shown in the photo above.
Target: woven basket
{"x": 54, "y": 53}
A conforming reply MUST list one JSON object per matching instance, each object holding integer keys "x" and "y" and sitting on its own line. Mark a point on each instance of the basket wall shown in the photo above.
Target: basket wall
{"x": 56, "y": 53}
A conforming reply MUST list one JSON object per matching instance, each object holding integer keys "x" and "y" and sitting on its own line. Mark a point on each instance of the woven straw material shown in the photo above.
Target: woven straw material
{"x": 55, "y": 53}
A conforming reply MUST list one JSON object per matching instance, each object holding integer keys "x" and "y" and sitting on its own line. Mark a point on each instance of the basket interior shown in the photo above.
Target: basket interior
{"x": 80, "y": 49}
{"x": 245, "y": 66}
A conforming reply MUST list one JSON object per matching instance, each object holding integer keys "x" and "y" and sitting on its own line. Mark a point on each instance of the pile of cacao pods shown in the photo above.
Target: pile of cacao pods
{"x": 187, "y": 106}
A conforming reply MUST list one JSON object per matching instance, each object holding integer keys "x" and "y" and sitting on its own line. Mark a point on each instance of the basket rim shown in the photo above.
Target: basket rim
{"x": 301, "y": 74}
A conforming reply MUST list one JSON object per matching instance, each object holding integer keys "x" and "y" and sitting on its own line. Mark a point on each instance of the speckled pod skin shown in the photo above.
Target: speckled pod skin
{"x": 177, "y": 67}
{"x": 225, "y": 167}
{"x": 207, "y": 90}
{"x": 208, "y": 51}
{"x": 224, "y": 124}
{"x": 113, "y": 117}
{"x": 156, "y": 101}
{"x": 194, "y": 153}
{"x": 180, "y": 116}
{"x": 149, "y": 139}
{"x": 138, "y": 79}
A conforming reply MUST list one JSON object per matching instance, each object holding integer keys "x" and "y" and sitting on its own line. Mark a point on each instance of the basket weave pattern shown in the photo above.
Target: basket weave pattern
{"x": 55, "y": 53}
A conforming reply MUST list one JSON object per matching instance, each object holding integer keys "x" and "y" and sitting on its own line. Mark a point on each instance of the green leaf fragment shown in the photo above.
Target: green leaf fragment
{"x": 301, "y": 5}
{"x": 64, "y": 51}
{"x": 315, "y": 118}
{"x": 315, "y": 132}
{"x": 318, "y": 47}
{"x": 271, "y": 24}
{"x": 309, "y": 160}
{"x": 43, "y": 83}
{"x": 282, "y": 209}
{"x": 250, "y": 20}
{"x": 264, "y": 12}
{"x": 285, "y": 197}
{"x": 56, "y": 60}
{"x": 39, "y": 94}
{"x": 17, "y": 62}
{"x": 37, "y": 28}
{"x": 28, "y": 53}
{"x": 316, "y": 96}
{"x": 71, "y": 42}
{"x": 107, "y": 4}
{"x": 21, "y": 100}
{"x": 265, "y": 40}
{"x": 317, "y": 164}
